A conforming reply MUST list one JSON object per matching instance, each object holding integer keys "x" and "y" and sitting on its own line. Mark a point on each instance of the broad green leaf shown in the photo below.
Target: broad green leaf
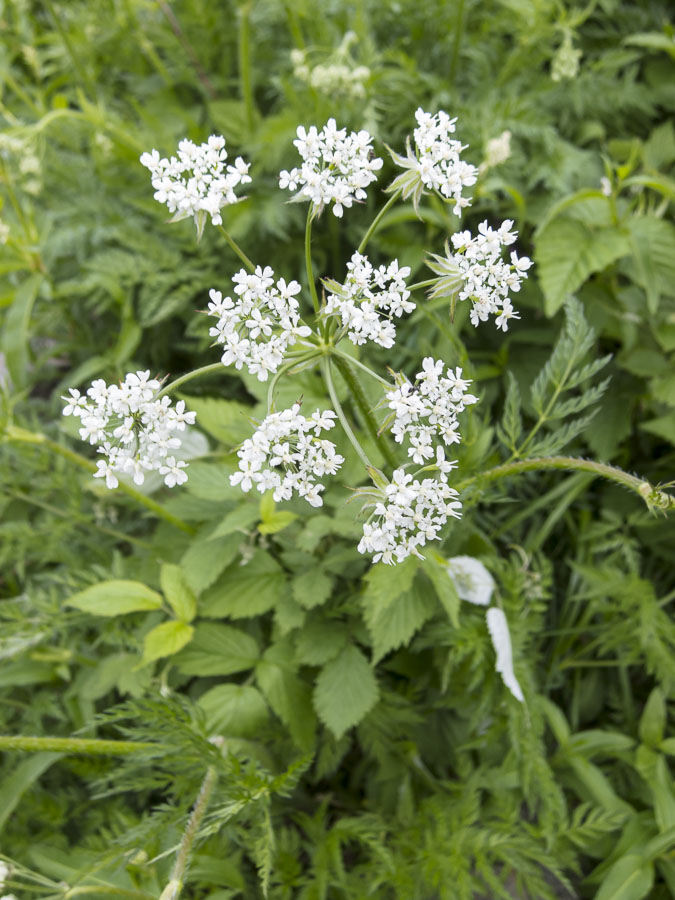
{"x": 105, "y": 676}
{"x": 15, "y": 332}
{"x": 206, "y": 558}
{"x": 211, "y": 481}
{"x": 384, "y": 583}
{"x": 394, "y": 625}
{"x": 653, "y": 720}
{"x": 654, "y": 769}
{"x": 165, "y": 640}
{"x": 435, "y": 569}
{"x": 20, "y": 779}
{"x": 630, "y": 878}
{"x": 568, "y": 252}
{"x": 319, "y": 642}
{"x": 277, "y": 522}
{"x": 662, "y": 426}
{"x": 289, "y": 697}
{"x": 312, "y": 588}
{"x": 345, "y": 690}
{"x": 225, "y": 420}
{"x": 218, "y": 650}
{"x": 653, "y": 246}
{"x": 240, "y": 519}
{"x": 177, "y": 592}
{"x": 114, "y": 598}
{"x": 245, "y": 591}
{"x": 238, "y": 710}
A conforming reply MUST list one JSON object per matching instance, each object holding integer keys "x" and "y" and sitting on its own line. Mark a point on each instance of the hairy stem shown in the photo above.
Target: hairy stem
{"x": 325, "y": 365}
{"x": 30, "y": 437}
{"x": 376, "y": 221}
{"x": 88, "y": 746}
{"x": 237, "y": 249}
{"x": 364, "y": 407}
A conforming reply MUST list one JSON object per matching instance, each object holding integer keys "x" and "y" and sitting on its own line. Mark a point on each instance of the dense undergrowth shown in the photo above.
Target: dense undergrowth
{"x": 364, "y": 744}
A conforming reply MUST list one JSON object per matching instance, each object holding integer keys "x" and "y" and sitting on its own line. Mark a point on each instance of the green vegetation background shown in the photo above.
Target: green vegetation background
{"x": 372, "y": 749}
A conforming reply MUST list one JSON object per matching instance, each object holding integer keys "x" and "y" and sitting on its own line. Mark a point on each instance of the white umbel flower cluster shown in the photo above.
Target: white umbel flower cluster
{"x": 409, "y": 513}
{"x": 369, "y": 300}
{"x": 259, "y": 326}
{"x": 197, "y": 181}
{"x": 427, "y": 410}
{"x": 336, "y": 168}
{"x": 135, "y": 430}
{"x": 286, "y": 455}
{"x": 481, "y": 274}
{"x": 436, "y": 164}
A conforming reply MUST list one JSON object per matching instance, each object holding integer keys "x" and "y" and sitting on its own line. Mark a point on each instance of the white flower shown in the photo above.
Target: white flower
{"x": 197, "y": 182}
{"x": 286, "y": 455}
{"x": 501, "y": 641}
{"x": 258, "y": 327}
{"x": 435, "y": 165}
{"x": 134, "y": 429}
{"x": 472, "y": 580}
{"x": 477, "y": 272}
{"x": 369, "y": 299}
{"x": 407, "y": 514}
{"x": 336, "y": 167}
{"x": 428, "y": 409}
{"x": 497, "y": 151}
{"x": 606, "y": 186}
{"x": 4, "y": 872}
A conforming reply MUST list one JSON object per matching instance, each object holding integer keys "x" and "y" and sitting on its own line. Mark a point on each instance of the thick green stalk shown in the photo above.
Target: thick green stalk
{"x": 653, "y": 496}
{"x": 30, "y": 437}
{"x": 353, "y": 440}
{"x": 355, "y": 362}
{"x": 88, "y": 746}
{"x": 237, "y": 249}
{"x": 308, "y": 259}
{"x": 196, "y": 373}
{"x": 376, "y": 221}
{"x": 364, "y": 407}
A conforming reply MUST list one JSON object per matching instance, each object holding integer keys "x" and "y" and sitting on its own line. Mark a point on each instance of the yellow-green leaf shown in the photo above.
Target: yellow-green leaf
{"x": 115, "y": 598}
{"x": 165, "y": 640}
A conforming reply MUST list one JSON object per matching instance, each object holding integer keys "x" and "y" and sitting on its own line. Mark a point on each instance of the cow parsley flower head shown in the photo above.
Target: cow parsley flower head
{"x": 197, "y": 182}
{"x": 257, "y": 327}
{"x": 477, "y": 272}
{"x": 369, "y": 300}
{"x": 336, "y": 168}
{"x": 406, "y": 514}
{"x": 427, "y": 410}
{"x": 435, "y": 164}
{"x": 135, "y": 430}
{"x": 287, "y": 454}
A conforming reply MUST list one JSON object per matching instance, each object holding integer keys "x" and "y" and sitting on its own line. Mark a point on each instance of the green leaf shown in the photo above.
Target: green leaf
{"x": 105, "y": 676}
{"x": 15, "y": 333}
{"x": 114, "y": 598}
{"x": 20, "y": 779}
{"x": 662, "y": 426}
{"x": 568, "y": 252}
{"x": 289, "y": 697}
{"x": 240, "y": 519}
{"x": 384, "y": 583}
{"x": 653, "y": 245}
{"x": 177, "y": 592}
{"x": 206, "y": 558}
{"x": 245, "y": 591}
{"x": 630, "y": 878}
{"x": 211, "y": 481}
{"x": 225, "y": 420}
{"x": 312, "y": 588}
{"x": 319, "y": 642}
{"x": 165, "y": 640}
{"x": 436, "y": 570}
{"x": 345, "y": 690}
{"x": 277, "y": 522}
{"x": 218, "y": 650}
{"x": 394, "y": 625}
{"x": 236, "y": 710}
{"x": 653, "y": 720}
{"x": 512, "y": 424}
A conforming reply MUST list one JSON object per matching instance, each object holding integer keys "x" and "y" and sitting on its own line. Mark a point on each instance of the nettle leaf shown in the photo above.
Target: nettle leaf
{"x": 177, "y": 592}
{"x": 394, "y": 625}
{"x": 115, "y": 598}
{"x": 218, "y": 650}
{"x": 206, "y": 558}
{"x": 345, "y": 690}
{"x": 165, "y": 640}
{"x": 225, "y": 420}
{"x": 568, "y": 252}
{"x": 289, "y": 697}
{"x": 248, "y": 590}
{"x": 234, "y": 710}
{"x": 653, "y": 245}
{"x": 384, "y": 583}
{"x": 312, "y": 588}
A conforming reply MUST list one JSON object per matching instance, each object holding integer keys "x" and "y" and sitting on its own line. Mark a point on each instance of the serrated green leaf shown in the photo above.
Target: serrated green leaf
{"x": 289, "y": 697}
{"x": 218, "y": 649}
{"x": 115, "y": 598}
{"x": 236, "y": 710}
{"x": 319, "y": 642}
{"x": 394, "y": 625}
{"x": 207, "y": 557}
{"x": 177, "y": 592}
{"x": 384, "y": 583}
{"x": 165, "y": 640}
{"x": 245, "y": 591}
{"x": 653, "y": 245}
{"x": 345, "y": 690}
{"x": 225, "y": 420}
{"x": 512, "y": 424}
{"x": 312, "y": 588}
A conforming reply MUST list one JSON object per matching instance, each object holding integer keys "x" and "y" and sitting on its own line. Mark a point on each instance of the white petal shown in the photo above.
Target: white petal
{"x": 501, "y": 641}
{"x": 472, "y": 580}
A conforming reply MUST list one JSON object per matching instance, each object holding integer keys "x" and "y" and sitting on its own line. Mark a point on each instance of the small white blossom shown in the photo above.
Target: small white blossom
{"x": 286, "y": 455}
{"x": 476, "y": 272}
{"x": 497, "y": 151}
{"x": 197, "y": 182}
{"x": 407, "y": 514}
{"x": 336, "y": 168}
{"x": 369, "y": 300}
{"x": 501, "y": 641}
{"x": 606, "y": 186}
{"x": 472, "y": 580}
{"x": 435, "y": 165}
{"x": 427, "y": 410}
{"x": 257, "y": 328}
{"x": 135, "y": 430}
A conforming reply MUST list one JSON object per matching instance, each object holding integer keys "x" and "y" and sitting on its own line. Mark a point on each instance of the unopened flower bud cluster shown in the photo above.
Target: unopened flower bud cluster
{"x": 369, "y": 299}
{"x": 497, "y": 151}
{"x": 287, "y": 455}
{"x": 334, "y": 78}
{"x": 257, "y": 328}
{"x": 565, "y": 63}
{"x": 336, "y": 168}
{"x": 197, "y": 180}
{"x": 427, "y": 410}
{"x": 135, "y": 430}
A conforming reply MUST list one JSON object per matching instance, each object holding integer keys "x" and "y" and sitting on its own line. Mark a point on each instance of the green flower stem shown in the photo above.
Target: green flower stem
{"x": 364, "y": 407}
{"x": 237, "y": 249}
{"x": 325, "y": 365}
{"x": 376, "y": 221}
{"x": 355, "y": 362}
{"x": 244, "y": 50}
{"x": 175, "y": 885}
{"x": 420, "y": 285}
{"x": 285, "y": 370}
{"x": 197, "y": 373}
{"x": 88, "y": 746}
{"x": 653, "y": 496}
{"x": 30, "y": 437}
{"x": 308, "y": 259}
